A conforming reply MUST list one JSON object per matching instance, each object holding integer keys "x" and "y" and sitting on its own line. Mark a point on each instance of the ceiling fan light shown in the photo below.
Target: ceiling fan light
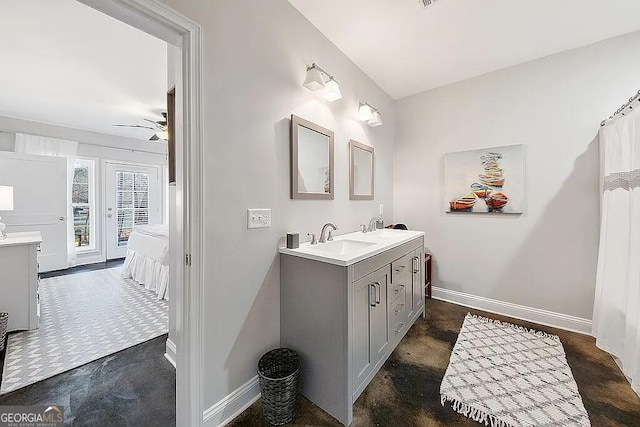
{"x": 163, "y": 134}
{"x": 314, "y": 80}
{"x": 332, "y": 91}
{"x": 365, "y": 112}
{"x": 376, "y": 119}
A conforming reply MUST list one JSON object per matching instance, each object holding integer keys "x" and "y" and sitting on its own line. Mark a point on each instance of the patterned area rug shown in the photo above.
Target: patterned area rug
{"x": 84, "y": 317}
{"x": 508, "y": 376}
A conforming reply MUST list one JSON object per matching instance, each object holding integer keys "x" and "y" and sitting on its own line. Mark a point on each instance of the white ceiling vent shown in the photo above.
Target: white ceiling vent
{"x": 425, "y": 3}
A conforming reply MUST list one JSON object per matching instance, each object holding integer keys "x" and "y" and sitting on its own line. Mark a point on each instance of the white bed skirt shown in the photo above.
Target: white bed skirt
{"x": 148, "y": 272}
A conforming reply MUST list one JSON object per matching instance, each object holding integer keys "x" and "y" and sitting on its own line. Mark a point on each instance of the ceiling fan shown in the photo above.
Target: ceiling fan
{"x": 159, "y": 126}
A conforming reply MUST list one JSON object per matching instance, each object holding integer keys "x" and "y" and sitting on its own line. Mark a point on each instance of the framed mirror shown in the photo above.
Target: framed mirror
{"x": 361, "y": 171}
{"x": 311, "y": 160}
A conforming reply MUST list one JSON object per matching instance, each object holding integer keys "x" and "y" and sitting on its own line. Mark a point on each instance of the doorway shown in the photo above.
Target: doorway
{"x": 133, "y": 197}
{"x": 161, "y": 21}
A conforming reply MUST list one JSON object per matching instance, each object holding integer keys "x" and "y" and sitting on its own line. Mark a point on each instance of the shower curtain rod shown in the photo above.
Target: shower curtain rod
{"x": 621, "y": 110}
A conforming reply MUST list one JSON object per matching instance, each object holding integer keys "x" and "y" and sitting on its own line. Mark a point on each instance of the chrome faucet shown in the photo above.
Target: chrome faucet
{"x": 373, "y": 223}
{"x": 329, "y": 237}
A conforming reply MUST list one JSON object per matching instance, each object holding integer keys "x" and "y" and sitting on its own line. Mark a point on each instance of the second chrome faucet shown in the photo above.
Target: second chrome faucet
{"x": 373, "y": 225}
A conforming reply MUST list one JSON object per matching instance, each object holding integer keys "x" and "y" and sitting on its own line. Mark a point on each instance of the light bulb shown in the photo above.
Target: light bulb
{"x": 314, "y": 80}
{"x": 365, "y": 112}
{"x": 376, "y": 119}
{"x": 332, "y": 91}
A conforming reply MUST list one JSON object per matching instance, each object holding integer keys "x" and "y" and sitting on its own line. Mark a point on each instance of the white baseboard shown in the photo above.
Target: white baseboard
{"x": 223, "y": 412}
{"x": 171, "y": 352}
{"x": 530, "y": 314}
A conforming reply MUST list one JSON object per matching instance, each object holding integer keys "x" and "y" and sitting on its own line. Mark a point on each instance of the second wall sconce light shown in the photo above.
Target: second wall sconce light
{"x": 366, "y": 113}
{"x": 317, "y": 79}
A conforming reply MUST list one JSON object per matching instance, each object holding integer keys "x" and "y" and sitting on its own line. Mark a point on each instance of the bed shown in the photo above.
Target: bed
{"x": 147, "y": 260}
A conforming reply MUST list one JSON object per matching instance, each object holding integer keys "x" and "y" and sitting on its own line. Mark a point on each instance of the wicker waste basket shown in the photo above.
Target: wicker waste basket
{"x": 279, "y": 371}
{"x": 4, "y": 320}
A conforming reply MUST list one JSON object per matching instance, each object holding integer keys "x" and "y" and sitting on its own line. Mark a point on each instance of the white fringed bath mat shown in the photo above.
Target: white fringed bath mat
{"x": 505, "y": 375}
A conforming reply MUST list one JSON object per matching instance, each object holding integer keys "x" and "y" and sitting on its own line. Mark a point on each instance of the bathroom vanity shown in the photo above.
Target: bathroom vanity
{"x": 345, "y": 305}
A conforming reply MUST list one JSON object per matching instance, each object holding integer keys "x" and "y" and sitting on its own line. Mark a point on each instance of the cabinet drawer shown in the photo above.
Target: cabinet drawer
{"x": 397, "y": 291}
{"x": 398, "y": 311}
{"x": 398, "y": 328}
{"x": 401, "y": 267}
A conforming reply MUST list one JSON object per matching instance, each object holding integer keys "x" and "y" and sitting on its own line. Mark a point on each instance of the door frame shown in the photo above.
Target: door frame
{"x": 159, "y": 20}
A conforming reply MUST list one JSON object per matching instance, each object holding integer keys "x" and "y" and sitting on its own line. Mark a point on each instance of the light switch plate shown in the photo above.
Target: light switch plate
{"x": 381, "y": 209}
{"x": 258, "y": 218}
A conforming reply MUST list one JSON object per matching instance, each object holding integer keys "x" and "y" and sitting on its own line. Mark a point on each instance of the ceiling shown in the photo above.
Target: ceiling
{"x": 406, "y": 49}
{"x": 67, "y": 64}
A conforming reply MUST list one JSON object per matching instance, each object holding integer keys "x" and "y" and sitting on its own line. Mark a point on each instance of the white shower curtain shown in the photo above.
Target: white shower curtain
{"x": 616, "y": 315}
{"x": 43, "y": 146}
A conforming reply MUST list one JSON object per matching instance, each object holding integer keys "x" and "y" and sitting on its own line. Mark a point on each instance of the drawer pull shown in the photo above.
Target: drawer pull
{"x": 399, "y": 269}
{"x": 399, "y": 308}
{"x": 400, "y": 328}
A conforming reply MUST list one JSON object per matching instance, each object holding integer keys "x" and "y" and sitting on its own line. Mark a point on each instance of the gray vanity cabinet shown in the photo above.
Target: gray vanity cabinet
{"x": 371, "y": 326}
{"x": 345, "y": 320}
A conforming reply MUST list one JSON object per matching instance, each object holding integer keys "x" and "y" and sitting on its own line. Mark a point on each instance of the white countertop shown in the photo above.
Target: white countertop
{"x": 379, "y": 241}
{"x": 23, "y": 238}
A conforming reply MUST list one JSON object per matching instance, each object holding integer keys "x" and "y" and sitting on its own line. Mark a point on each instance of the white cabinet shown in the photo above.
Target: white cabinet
{"x": 19, "y": 280}
{"x": 345, "y": 321}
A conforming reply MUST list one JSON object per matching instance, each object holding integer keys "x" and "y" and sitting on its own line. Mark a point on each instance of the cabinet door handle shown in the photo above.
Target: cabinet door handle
{"x": 378, "y": 293}
{"x": 372, "y": 300}
{"x": 416, "y": 265}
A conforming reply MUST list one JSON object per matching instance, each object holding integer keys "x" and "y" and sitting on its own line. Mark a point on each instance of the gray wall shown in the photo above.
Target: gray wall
{"x": 255, "y": 58}
{"x": 545, "y": 258}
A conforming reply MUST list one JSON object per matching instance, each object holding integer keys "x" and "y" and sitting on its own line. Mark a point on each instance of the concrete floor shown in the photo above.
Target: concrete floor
{"x": 406, "y": 390}
{"x": 134, "y": 387}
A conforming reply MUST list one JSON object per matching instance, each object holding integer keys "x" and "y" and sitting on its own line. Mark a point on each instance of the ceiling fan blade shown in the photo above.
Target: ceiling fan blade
{"x": 154, "y": 137}
{"x": 135, "y": 126}
{"x": 157, "y": 126}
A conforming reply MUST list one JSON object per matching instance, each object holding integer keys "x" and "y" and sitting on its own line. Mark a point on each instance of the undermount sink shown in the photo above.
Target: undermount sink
{"x": 342, "y": 247}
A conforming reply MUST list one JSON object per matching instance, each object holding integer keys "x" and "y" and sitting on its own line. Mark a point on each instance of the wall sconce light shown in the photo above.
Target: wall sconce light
{"x": 366, "y": 113}
{"x": 318, "y": 79}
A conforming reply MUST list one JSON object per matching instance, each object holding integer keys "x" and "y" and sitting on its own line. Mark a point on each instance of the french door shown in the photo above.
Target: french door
{"x": 132, "y": 197}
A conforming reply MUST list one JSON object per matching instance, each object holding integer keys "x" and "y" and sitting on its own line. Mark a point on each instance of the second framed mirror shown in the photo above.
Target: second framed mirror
{"x": 361, "y": 171}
